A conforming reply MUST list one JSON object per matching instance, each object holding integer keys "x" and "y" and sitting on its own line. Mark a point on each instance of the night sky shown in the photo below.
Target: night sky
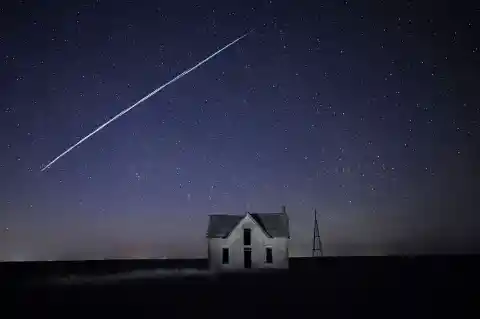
{"x": 367, "y": 112}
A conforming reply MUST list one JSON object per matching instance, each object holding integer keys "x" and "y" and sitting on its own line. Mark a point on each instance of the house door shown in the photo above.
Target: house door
{"x": 247, "y": 258}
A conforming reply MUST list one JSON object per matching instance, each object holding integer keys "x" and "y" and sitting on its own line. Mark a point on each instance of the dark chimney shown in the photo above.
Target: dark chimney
{"x": 284, "y": 209}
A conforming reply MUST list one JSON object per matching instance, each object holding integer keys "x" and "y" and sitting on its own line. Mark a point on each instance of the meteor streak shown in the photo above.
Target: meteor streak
{"x": 140, "y": 101}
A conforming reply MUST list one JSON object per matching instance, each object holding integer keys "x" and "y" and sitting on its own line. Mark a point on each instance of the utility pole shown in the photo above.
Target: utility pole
{"x": 317, "y": 249}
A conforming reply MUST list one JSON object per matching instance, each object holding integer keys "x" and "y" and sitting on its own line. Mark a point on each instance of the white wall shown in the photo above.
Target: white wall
{"x": 235, "y": 244}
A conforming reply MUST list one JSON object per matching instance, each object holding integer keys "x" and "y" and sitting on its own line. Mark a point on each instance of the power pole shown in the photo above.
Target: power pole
{"x": 317, "y": 249}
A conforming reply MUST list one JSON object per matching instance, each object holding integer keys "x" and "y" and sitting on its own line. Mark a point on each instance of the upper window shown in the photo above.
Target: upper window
{"x": 247, "y": 236}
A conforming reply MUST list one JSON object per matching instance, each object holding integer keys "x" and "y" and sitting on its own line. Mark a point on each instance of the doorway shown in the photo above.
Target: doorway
{"x": 247, "y": 258}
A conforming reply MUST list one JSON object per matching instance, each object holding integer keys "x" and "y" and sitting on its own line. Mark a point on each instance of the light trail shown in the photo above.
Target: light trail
{"x": 140, "y": 101}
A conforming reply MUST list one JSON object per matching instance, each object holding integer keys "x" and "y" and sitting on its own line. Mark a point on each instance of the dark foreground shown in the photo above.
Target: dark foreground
{"x": 406, "y": 287}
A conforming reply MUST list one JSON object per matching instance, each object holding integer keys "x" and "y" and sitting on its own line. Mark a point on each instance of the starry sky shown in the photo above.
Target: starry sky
{"x": 368, "y": 112}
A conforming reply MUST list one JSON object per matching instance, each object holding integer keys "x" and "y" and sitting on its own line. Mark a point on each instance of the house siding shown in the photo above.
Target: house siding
{"x": 258, "y": 244}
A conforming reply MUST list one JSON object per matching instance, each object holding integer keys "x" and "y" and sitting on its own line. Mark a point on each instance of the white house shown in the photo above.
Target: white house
{"x": 248, "y": 241}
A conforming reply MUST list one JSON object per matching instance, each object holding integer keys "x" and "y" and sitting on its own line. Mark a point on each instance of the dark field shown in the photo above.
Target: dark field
{"x": 407, "y": 287}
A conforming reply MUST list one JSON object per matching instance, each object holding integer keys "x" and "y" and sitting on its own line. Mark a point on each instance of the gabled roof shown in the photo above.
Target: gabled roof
{"x": 274, "y": 225}
{"x": 220, "y": 226}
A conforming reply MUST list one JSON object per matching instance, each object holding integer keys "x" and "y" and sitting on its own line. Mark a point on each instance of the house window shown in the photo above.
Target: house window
{"x": 268, "y": 255}
{"x": 247, "y": 236}
{"x": 247, "y": 258}
{"x": 225, "y": 256}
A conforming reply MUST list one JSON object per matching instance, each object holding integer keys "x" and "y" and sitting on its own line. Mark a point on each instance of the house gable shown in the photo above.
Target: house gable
{"x": 247, "y": 219}
{"x": 274, "y": 225}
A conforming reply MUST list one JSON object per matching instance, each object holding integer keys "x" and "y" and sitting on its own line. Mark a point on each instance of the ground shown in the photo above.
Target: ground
{"x": 338, "y": 287}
